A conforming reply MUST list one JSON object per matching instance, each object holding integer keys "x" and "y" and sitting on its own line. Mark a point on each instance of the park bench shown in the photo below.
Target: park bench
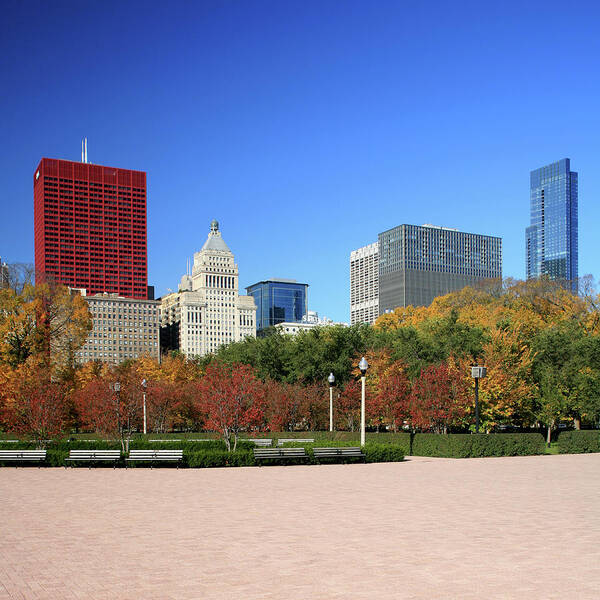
{"x": 18, "y": 456}
{"x": 153, "y": 456}
{"x": 282, "y": 441}
{"x": 258, "y": 441}
{"x": 93, "y": 456}
{"x": 338, "y": 452}
{"x": 261, "y": 454}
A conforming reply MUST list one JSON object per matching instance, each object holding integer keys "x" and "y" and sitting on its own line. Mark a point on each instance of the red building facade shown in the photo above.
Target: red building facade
{"x": 90, "y": 227}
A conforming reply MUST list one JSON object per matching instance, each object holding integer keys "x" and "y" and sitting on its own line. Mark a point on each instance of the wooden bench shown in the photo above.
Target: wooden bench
{"x": 282, "y": 441}
{"x": 338, "y": 452}
{"x": 261, "y": 454}
{"x": 153, "y": 456}
{"x": 93, "y": 456}
{"x": 262, "y": 442}
{"x": 18, "y": 456}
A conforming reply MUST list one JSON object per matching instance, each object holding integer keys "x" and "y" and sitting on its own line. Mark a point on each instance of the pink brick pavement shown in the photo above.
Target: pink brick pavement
{"x": 526, "y": 527}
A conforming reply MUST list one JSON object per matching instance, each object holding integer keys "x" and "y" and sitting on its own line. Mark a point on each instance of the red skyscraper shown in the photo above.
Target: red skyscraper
{"x": 90, "y": 227}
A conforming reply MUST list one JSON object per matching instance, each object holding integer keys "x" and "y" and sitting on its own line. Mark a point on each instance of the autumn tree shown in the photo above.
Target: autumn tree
{"x": 233, "y": 398}
{"x": 346, "y": 409}
{"x": 390, "y": 406}
{"x": 34, "y": 404}
{"x": 438, "y": 399}
{"x": 46, "y": 321}
{"x": 111, "y": 410}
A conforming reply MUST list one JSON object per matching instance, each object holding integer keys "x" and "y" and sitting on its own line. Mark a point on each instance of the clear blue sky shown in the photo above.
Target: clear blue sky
{"x": 306, "y": 127}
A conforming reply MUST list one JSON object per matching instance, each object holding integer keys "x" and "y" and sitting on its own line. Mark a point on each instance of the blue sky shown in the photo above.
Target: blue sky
{"x": 307, "y": 127}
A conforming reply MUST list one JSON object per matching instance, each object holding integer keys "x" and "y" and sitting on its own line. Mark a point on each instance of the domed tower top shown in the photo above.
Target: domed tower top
{"x": 214, "y": 226}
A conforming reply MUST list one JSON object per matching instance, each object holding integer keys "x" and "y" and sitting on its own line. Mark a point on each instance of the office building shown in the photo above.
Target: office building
{"x": 278, "y": 301}
{"x": 552, "y": 237}
{"x": 419, "y": 263}
{"x": 90, "y": 227}
{"x": 123, "y": 328}
{"x": 364, "y": 284}
{"x": 207, "y": 310}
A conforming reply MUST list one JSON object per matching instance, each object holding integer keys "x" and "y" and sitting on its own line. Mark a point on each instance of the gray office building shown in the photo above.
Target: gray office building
{"x": 417, "y": 263}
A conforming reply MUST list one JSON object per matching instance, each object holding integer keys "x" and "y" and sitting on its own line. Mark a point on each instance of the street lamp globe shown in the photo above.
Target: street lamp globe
{"x": 363, "y": 365}
{"x": 331, "y": 379}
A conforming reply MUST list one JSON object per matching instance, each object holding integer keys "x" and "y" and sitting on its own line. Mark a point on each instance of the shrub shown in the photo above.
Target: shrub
{"x": 465, "y": 445}
{"x": 576, "y": 442}
{"x": 383, "y": 452}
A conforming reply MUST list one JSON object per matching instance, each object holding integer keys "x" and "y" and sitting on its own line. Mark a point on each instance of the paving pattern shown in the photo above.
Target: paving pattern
{"x": 526, "y": 527}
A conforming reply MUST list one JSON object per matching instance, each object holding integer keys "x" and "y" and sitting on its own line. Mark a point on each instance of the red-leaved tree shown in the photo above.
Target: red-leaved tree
{"x": 391, "y": 405}
{"x": 438, "y": 400}
{"x": 36, "y": 406}
{"x": 346, "y": 409}
{"x": 105, "y": 410}
{"x": 234, "y": 401}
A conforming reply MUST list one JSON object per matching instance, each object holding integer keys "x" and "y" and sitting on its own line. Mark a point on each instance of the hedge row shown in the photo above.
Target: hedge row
{"x": 202, "y": 454}
{"x": 466, "y": 445}
{"x": 576, "y": 442}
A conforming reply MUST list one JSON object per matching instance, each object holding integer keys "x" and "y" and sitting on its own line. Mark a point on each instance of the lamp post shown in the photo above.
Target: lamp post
{"x": 331, "y": 380}
{"x": 477, "y": 373}
{"x": 116, "y": 387}
{"x": 363, "y": 365}
{"x": 144, "y": 386}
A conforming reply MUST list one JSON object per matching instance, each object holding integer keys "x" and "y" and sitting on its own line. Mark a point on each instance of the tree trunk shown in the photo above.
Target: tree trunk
{"x": 577, "y": 423}
{"x": 549, "y": 435}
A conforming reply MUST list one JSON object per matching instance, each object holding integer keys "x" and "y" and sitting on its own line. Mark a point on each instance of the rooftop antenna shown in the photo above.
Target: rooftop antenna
{"x": 86, "y": 150}
{"x": 82, "y": 155}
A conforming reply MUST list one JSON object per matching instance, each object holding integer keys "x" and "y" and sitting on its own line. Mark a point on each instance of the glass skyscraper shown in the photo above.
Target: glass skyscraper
{"x": 551, "y": 239}
{"x": 278, "y": 301}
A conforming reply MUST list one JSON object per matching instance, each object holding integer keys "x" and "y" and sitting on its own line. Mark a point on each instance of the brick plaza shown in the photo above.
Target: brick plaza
{"x": 524, "y": 527}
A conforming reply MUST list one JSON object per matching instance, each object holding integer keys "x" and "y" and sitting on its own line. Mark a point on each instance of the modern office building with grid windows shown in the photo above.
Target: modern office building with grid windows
{"x": 552, "y": 237}
{"x": 90, "y": 227}
{"x": 417, "y": 263}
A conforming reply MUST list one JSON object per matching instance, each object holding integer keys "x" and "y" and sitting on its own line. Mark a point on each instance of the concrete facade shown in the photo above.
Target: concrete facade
{"x": 123, "y": 328}
{"x": 364, "y": 284}
{"x": 207, "y": 310}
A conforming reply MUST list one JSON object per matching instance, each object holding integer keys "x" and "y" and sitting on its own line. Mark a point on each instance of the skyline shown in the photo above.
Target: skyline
{"x": 303, "y": 129}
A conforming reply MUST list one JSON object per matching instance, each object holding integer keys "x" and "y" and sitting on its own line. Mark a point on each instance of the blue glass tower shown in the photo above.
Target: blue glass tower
{"x": 278, "y": 301}
{"x": 551, "y": 239}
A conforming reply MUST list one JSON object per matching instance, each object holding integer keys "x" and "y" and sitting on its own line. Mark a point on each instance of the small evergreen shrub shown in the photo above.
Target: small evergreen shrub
{"x": 577, "y": 442}
{"x": 465, "y": 445}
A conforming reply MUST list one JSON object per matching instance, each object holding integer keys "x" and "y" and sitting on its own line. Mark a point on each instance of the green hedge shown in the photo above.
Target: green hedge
{"x": 202, "y": 454}
{"x": 466, "y": 445}
{"x": 576, "y": 442}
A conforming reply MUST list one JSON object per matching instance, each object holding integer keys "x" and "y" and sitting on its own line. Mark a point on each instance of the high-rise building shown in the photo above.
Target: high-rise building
{"x": 552, "y": 237}
{"x": 207, "y": 311}
{"x": 419, "y": 263}
{"x": 278, "y": 301}
{"x": 90, "y": 227}
{"x": 123, "y": 328}
{"x": 364, "y": 284}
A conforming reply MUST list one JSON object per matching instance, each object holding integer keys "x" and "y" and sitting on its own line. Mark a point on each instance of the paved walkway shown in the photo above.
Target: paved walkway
{"x": 525, "y": 527}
